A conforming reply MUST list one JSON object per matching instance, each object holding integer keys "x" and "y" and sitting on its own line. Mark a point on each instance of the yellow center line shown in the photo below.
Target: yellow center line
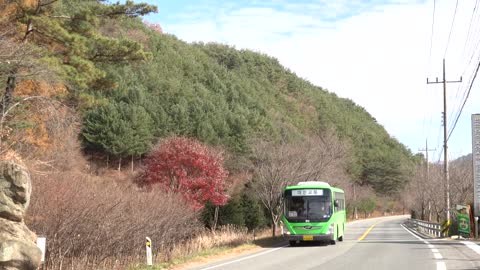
{"x": 366, "y": 233}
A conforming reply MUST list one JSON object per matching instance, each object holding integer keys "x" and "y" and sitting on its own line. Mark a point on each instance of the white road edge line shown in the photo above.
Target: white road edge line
{"x": 244, "y": 258}
{"x": 436, "y": 254}
{"x": 385, "y": 241}
{"x": 416, "y": 236}
{"x": 472, "y": 246}
{"x": 441, "y": 266}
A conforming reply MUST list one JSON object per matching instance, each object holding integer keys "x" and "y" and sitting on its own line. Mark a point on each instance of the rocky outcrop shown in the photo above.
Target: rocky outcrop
{"x": 17, "y": 243}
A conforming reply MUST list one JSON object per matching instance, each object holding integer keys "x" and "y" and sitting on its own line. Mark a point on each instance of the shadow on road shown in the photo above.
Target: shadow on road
{"x": 271, "y": 242}
{"x": 310, "y": 244}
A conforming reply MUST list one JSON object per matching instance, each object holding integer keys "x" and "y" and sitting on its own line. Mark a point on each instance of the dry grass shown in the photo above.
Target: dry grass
{"x": 225, "y": 236}
{"x": 97, "y": 223}
{"x": 100, "y": 221}
{"x": 206, "y": 247}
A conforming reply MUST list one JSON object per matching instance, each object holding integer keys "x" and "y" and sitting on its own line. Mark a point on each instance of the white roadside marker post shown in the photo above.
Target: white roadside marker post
{"x": 476, "y": 227}
{"x": 149, "y": 251}
{"x": 42, "y": 245}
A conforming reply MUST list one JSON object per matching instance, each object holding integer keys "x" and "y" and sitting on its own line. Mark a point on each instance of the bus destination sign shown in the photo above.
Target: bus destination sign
{"x": 307, "y": 192}
{"x": 476, "y": 161}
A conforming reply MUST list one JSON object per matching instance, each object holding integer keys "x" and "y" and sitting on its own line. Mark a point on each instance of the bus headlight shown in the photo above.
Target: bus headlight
{"x": 285, "y": 230}
{"x": 331, "y": 229}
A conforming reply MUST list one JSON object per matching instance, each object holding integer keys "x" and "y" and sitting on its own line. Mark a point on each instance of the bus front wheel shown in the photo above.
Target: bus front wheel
{"x": 332, "y": 242}
{"x": 292, "y": 243}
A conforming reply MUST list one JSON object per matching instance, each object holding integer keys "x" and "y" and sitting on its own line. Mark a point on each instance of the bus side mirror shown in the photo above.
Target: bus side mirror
{"x": 335, "y": 203}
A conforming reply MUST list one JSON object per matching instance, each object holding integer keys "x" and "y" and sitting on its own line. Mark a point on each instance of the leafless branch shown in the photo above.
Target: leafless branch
{"x": 278, "y": 165}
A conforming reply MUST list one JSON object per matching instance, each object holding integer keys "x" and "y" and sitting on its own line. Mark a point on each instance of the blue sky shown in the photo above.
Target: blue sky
{"x": 377, "y": 53}
{"x": 173, "y": 11}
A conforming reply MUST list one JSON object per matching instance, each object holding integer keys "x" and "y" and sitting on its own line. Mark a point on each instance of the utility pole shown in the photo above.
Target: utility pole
{"x": 426, "y": 150}
{"x": 445, "y": 133}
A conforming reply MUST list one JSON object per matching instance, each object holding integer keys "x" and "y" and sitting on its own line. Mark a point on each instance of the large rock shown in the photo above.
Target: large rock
{"x": 17, "y": 243}
{"x": 15, "y": 190}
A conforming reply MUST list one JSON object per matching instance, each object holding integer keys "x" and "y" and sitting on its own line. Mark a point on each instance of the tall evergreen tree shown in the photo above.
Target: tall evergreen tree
{"x": 69, "y": 29}
{"x": 120, "y": 129}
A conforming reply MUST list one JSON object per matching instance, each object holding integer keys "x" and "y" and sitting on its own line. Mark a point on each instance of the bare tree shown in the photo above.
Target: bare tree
{"x": 279, "y": 165}
{"x": 17, "y": 61}
{"x": 426, "y": 195}
{"x": 461, "y": 175}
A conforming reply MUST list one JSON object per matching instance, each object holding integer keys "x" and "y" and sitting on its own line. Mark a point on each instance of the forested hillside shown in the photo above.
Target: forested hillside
{"x": 224, "y": 96}
{"x": 133, "y": 85}
{"x": 89, "y": 84}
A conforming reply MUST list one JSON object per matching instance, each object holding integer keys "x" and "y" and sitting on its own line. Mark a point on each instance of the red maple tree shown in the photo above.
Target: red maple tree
{"x": 188, "y": 167}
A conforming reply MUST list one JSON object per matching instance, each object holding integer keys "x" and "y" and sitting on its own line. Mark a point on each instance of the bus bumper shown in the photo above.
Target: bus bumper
{"x": 308, "y": 237}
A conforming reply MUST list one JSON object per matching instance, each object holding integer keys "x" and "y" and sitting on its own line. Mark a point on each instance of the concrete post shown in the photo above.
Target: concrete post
{"x": 42, "y": 245}
{"x": 149, "y": 251}
{"x": 476, "y": 227}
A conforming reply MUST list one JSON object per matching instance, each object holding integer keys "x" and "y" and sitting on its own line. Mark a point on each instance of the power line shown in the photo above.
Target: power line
{"x": 469, "y": 27}
{"x": 455, "y": 104}
{"x": 451, "y": 28}
{"x": 428, "y": 68}
{"x": 464, "y": 101}
{"x": 469, "y": 40}
{"x": 431, "y": 36}
{"x": 466, "y": 92}
{"x": 454, "y": 113}
{"x": 475, "y": 46}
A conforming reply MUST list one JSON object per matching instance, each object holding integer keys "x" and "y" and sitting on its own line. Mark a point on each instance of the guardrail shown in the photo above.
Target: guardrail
{"x": 429, "y": 228}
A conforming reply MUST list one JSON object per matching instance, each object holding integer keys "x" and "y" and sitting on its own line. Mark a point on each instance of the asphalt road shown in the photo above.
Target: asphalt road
{"x": 381, "y": 243}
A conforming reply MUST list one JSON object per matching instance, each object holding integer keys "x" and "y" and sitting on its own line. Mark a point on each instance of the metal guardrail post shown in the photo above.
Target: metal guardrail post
{"x": 430, "y": 228}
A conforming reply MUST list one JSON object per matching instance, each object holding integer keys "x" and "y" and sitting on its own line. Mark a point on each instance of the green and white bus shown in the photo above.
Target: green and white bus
{"x": 308, "y": 213}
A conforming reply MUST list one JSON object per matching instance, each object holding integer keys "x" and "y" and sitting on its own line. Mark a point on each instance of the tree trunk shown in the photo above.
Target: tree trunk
{"x": 132, "y": 163}
{"x": 29, "y": 29}
{"x": 355, "y": 210}
{"x": 119, "y": 164}
{"x": 7, "y": 98}
{"x": 429, "y": 211}
{"x": 215, "y": 218}
{"x": 108, "y": 157}
{"x": 274, "y": 226}
{"x": 422, "y": 215}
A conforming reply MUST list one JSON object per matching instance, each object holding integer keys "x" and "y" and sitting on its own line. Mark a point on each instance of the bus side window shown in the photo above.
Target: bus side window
{"x": 339, "y": 201}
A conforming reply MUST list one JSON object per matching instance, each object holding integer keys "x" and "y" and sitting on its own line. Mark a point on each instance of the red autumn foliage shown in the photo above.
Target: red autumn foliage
{"x": 188, "y": 167}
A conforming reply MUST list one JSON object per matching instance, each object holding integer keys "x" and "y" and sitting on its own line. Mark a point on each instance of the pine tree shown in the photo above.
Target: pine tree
{"x": 139, "y": 134}
{"x": 69, "y": 29}
{"x": 120, "y": 129}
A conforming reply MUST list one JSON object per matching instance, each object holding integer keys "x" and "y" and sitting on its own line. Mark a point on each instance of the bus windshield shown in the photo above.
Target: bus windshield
{"x": 308, "y": 205}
